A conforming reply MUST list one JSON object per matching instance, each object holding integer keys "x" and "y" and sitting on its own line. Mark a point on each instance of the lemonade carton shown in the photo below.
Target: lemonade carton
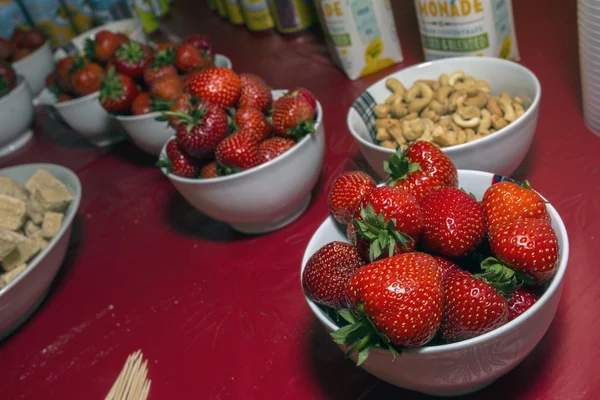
{"x": 81, "y": 14}
{"x": 292, "y": 16}
{"x": 234, "y": 12}
{"x": 467, "y": 27}
{"x": 52, "y": 18}
{"x": 257, "y": 15}
{"x": 11, "y": 17}
{"x": 111, "y": 10}
{"x": 361, "y": 35}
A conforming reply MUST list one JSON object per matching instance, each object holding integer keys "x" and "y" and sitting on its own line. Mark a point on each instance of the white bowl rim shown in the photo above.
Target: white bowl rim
{"x": 252, "y": 170}
{"x": 465, "y": 146}
{"x": 17, "y": 64}
{"x": 67, "y": 222}
{"x": 93, "y": 31}
{"x": 149, "y": 115}
{"x": 21, "y": 85}
{"x": 561, "y": 232}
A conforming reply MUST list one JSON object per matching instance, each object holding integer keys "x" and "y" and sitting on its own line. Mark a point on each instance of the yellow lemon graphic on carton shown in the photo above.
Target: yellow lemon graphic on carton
{"x": 378, "y": 65}
{"x": 506, "y": 48}
{"x": 373, "y": 51}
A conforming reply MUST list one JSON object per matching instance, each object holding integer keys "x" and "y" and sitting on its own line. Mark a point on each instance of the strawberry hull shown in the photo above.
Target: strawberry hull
{"x": 469, "y": 365}
{"x": 264, "y": 198}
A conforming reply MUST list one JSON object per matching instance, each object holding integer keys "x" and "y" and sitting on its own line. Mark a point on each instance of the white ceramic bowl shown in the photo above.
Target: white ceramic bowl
{"x": 21, "y": 297}
{"x": 36, "y": 67}
{"x": 470, "y": 365}
{"x": 501, "y": 152}
{"x": 16, "y": 114}
{"x": 149, "y": 134}
{"x": 267, "y": 197}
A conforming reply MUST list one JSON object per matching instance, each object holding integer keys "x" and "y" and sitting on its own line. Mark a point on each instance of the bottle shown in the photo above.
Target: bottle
{"x": 257, "y": 15}
{"x": 221, "y": 8}
{"x": 234, "y": 12}
{"x": 110, "y": 10}
{"x": 292, "y": 16}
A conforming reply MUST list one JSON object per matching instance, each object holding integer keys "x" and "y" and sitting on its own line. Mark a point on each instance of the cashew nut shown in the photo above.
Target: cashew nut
{"x": 470, "y": 123}
{"x": 479, "y": 100}
{"x": 454, "y": 77}
{"x": 498, "y": 122}
{"x": 433, "y": 84}
{"x": 507, "y": 109}
{"x": 484, "y": 86}
{"x": 519, "y": 110}
{"x": 396, "y": 133}
{"x": 429, "y": 113}
{"x": 444, "y": 80}
{"x": 389, "y": 144}
{"x": 398, "y": 109}
{"x": 518, "y": 100}
{"x": 418, "y": 97}
{"x": 455, "y": 98}
{"x": 413, "y": 129}
{"x": 443, "y": 93}
{"x": 382, "y": 134}
{"x": 471, "y": 135}
{"x": 386, "y": 122}
{"x": 395, "y": 86}
{"x": 467, "y": 112}
{"x": 493, "y": 106}
{"x": 486, "y": 121}
{"x": 382, "y": 110}
{"x": 411, "y": 116}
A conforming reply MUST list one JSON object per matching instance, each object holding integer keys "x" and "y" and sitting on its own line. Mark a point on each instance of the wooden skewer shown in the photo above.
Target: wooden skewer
{"x": 132, "y": 382}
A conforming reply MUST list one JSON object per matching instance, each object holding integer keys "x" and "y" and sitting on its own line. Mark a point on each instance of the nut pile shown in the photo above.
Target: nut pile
{"x": 453, "y": 110}
{"x": 30, "y": 216}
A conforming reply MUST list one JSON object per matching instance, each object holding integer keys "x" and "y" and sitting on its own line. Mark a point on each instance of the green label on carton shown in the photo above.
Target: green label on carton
{"x": 341, "y": 40}
{"x": 463, "y": 45}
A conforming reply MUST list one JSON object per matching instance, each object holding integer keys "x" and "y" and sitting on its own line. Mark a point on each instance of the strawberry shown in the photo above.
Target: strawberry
{"x": 102, "y": 47}
{"x": 131, "y": 57}
{"x": 446, "y": 266}
{"x": 305, "y": 95}
{"x": 328, "y": 271}
{"x": 388, "y": 221}
{"x": 6, "y": 49}
{"x": 347, "y": 191}
{"x": 210, "y": 170}
{"x": 21, "y": 54}
{"x": 254, "y": 93}
{"x": 254, "y": 121}
{"x": 273, "y": 147}
{"x": 63, "y": 71}
{"x": 203, "y": 44}
{"x": 188, "y": 58}
{"x": 292, "y": 117}
{"x": 472, "y": 307}
{"x": 527, "y": 245}
{"x": 32, "y": 39}
{"x": 507, "y": 201}
{"x": 8, "y": 78}
{"x": 237, "y": 152}
{"x": 201, "y": 129}
{"x": 521, "y": 301}
{"x": 221, "y": 86}
{"x": 62, "y": 97}
{"x": 181, "y": 104}
{"x": 421, "y": 169}
{"x": 86, "y": 79}
{"x": 179, "y": 162}
{"x": 453, "y": 222}
{"x": 152, "y": 74}
{"x": 142, "y": 104}
{"x": 351, "y": 234}
{"x": 400, "y": 296}
{"x": 168, "y": 87}
{"x": 117, "y": 92}
{"x": 166, "y": 46}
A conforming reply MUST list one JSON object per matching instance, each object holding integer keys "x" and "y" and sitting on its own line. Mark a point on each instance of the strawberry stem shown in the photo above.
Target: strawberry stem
{"x": 399, "y": 167}
{"x": 223, "y": 169}
{"x": 301, "y": 130}
{"x": 132, "y": 52}
{"x": 164, "y": 163}
{"x": 110, "y": 87}
{"x": 163, "y": 58}
{"x": 361, "y": 335}
{"x": 502, "y": 277}
{"x": 90, "y": 49}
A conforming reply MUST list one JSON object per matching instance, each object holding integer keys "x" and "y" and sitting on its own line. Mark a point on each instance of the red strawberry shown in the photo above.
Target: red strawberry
{"x": 305, "y": 95}
{"x": 421, "y": 169}
{"x": 388, "y": 221}
{"x": 253, "y": 121}
{"x": 529, "y": 246}
{"x": 87, "y": 79}
{"x": 189, "y": 78}
{"x": 181, "y": 163}
{"x": 238, "y": 152}
{"x": 63, "y": 97}
{"x": 400, "y": 296}
{"x": 254, "y": 93}
{"x": 221, "y": 86}
{"x": 8, "y": 78}
{"x": 117, "y": 92}
{"x": 32, "y": 39}
{"x": 103, "y": 47}
{"x": 453, "y": 222}
{"x": 346, "y": 192}
{"x": 273, "y": 147}
{"x": 521, "y": 301}
{"x": 328, "y": 271}
{"x": 63, "y": 71}
{"x": 188, "y": 58}
{"x": 142, "y": 104}
{"x": 181, "y": 104}
{"x": 210, "y": 170}
{"x": 292, "y": 117}
{"x": 131, "y": 57}
{"x": 203, "y": 44}
{"x": 472, "y": 307}
{"x": 152, "y": 73}
{"x": 21, "y": 54}
{"x": 201, "y": 129}
{"x": 6, "y": 49}
{"x": 351, "y": 234}
{"x": 168, "y": 87}
{"x": 447, "y": 267}
{"x": 506, "y": 201}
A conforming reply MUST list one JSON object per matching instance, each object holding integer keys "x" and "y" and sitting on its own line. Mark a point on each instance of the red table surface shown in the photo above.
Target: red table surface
{"x": 221, "y": 315}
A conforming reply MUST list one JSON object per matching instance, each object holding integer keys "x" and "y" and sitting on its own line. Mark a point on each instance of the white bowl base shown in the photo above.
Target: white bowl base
{"x": 13, "y": 328}
{"x": 461, "y": 393}
{"x": 109, "y": 139}
{"x": 16, "y": 144}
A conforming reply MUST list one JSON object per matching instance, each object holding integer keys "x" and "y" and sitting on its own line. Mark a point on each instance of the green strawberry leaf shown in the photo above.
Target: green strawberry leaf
{"x": 502, "y": 277}
{"x": 304, "y": 128}
{"x": 160, "y": 105}
{"x": 89, "y": 49}
{"x": 164, "y": 163}
{"x": 398, "y": 167}
{"x": 347, "y": 315}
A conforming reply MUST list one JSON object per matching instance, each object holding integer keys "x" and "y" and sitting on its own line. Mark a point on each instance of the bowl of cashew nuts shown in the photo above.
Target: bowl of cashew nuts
{"x": 481, "y": 111}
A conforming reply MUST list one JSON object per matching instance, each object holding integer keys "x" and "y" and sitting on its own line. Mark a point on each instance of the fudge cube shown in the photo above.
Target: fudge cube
{"x": 51, "y": 224}
{"x": 51, "y": 193}
{"x": 8, "y": 277}
{"x": 23, "y": 252}
{"x": 10, "y": 187}
{"x": 12, "y": 212}
{"x": 35, "y": 210}
{"x": 8, "y": 241}
{"x": 31, "y": 230}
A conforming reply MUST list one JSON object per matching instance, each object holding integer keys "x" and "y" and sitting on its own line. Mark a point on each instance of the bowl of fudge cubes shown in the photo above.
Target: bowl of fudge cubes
{"x": 37, "y": 205}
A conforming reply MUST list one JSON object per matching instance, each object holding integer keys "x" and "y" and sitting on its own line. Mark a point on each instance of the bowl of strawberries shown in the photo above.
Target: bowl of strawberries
{"x": 244, "y": 154}
{"x": 436, "y": 280}
{"x": 16, "y": 110}
{"x": 162, "y": 84}
{"x": 30, "y": 55}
